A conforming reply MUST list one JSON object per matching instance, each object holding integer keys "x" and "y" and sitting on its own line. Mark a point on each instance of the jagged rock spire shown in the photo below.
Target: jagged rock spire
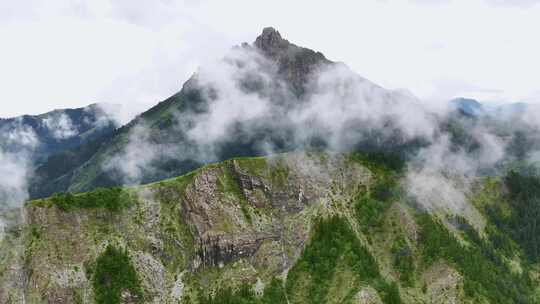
{"x": 270, "y": 41}
{"x": 294, "y": 63}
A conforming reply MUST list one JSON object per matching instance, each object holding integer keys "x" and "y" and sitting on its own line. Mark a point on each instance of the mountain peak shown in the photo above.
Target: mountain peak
{"x": 270, "y": 41}
{"x": 270, "y": 32}
{"x": 294, "y": 62}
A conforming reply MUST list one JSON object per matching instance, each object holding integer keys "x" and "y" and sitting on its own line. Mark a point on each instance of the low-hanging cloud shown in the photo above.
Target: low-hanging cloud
{"x": 60, "y": 126}
{"x": 136, "y": 156}
{"x": 243, "y": 100}
{"x": 19, "y": 141}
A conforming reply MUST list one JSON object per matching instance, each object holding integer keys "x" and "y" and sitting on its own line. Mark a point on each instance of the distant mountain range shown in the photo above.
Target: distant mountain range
{"x": 472, "y": 107}
{"x": 48, "y": 145}
{"x": 55, "y": 131}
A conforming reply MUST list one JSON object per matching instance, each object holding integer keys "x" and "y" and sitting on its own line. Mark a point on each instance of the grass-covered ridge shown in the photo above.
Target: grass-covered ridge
{"x": 112, "y": 199}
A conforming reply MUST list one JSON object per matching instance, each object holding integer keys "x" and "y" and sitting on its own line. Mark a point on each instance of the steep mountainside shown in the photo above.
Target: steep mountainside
{"x": 292, "y": 228}
{"x": 259, "y": 99}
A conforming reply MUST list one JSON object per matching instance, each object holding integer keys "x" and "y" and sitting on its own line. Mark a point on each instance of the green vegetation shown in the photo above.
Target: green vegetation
{"x": 333, "y": 250}
{"x": 113, "y": 275}
{"x": 485, "y": 273}
{"x": 279, "y": 173}
{"x": 244, "y": 295}
{"x": 273, "y": 294}
{"x": 228, "y": 184}
{"x": 254, "y": 165}
{"x": 369, "y": 212}
{"x": 57, "y": 166}
{"x": 379, "y": 162}
{"x": 370, "y": 206}
{"x": 387, "y": 168}
{"x": 521, "y": 223}
{"x": 177, "y": 184}
{"x": 112, "y": 199}
{"x": 178, "y": 242}
{"x": 491, "y": 200}
{"x": 403, "y": 261}
{"x": 389, "y": 292}
{"x": 334, "y": 264}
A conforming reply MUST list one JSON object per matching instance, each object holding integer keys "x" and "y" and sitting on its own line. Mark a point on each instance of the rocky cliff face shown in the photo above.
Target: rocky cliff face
{"x": 296, "y": 64}
{"x": 251, "y": 211}
{"x": 243, "y": 222}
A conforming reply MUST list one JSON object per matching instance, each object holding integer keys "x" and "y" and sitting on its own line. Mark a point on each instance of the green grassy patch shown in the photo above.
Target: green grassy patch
{"x": 279, "y": 173}
{"x": 274, "y": 293}
{"x": 112, "y": 199}
{"x": 113, "y": 275}
{"x": 177, "y": 184}
{"x": 379, "y": 162}
{"x": 370, "y": 206}
{"x": 403, "y": 261}
{"x": 253, "y": 165}
{"x": 369, "y": 212}
{"x": 228, "y": 184}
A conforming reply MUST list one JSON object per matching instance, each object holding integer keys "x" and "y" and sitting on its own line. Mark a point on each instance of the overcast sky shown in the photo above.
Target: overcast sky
{"x": 67, "y": 53}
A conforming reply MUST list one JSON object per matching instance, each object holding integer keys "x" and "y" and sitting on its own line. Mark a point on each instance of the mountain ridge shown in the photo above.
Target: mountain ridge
{"x": 58, "y": 129}
{"x": 291, "y": 228}
{"x": 295, "y": 64}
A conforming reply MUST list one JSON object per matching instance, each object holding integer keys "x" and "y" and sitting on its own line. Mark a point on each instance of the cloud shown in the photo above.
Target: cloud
{"x": 18, "y": 143}
{"x": 440, "y": 176}
{"x": 245, "y": 101}
{"x": 345, "y": 104}
{"x": 163, "y": 42}
{"x": 135, "y": 158}
{"x": 120, "y": 114}
{"x": 228, "y": 103}
{"x": 519, "y": 3}
{"x": 436, "y": 192}
{"x": 18, "y": 136}
{"x": 14, "y": 169}
{"x": 60, "y": 126}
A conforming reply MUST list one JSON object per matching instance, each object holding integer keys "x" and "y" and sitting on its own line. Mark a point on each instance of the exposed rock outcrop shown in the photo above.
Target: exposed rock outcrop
{"x": 296, "y": 64}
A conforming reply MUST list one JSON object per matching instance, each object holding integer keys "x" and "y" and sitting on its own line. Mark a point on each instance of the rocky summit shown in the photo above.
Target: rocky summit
{"x": 296, "y": 63}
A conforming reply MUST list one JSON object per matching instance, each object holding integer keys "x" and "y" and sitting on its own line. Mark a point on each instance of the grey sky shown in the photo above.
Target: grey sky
{"x": 64, "y": 53}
